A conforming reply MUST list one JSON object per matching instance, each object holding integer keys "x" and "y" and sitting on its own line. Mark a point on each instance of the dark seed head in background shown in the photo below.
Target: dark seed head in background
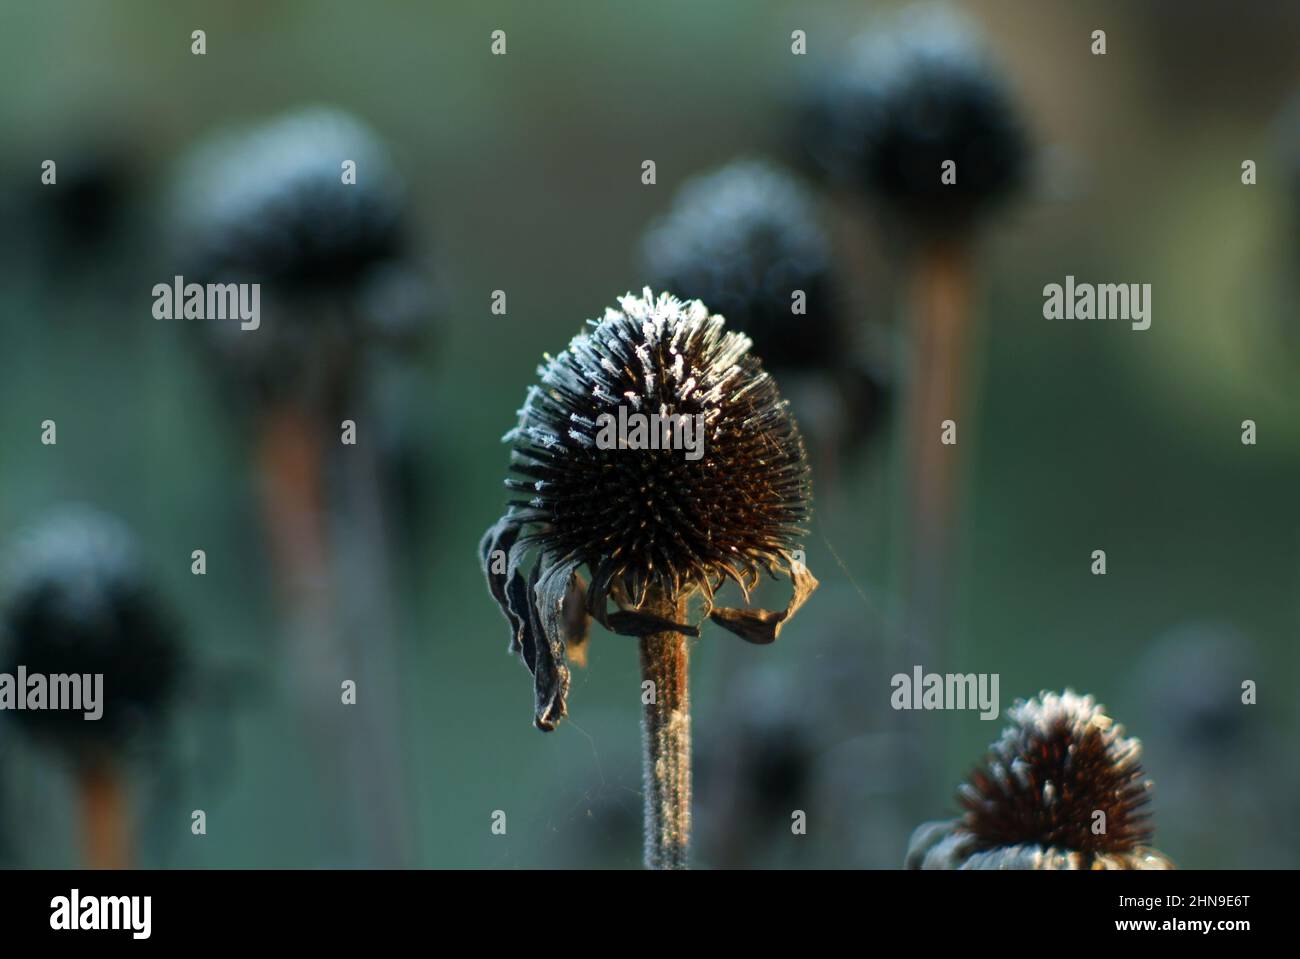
{"x": 910, "y": 98}
{"x": 268, "y": 205}
{"x": 93, "y": 200}
{"x": 743, "y": 239}
{"x": 75, "y": 599}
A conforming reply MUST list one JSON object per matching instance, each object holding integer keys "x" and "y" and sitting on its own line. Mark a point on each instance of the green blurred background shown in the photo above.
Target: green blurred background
{"x": 524, "y": 175}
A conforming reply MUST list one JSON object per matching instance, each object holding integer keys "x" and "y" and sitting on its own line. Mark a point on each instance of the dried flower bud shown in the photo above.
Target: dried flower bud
{"x": 646, "y": 519}
{"x": 1062, "y": 789}
{"x": 76, "y": 601}
{"x": 744, "y": 239}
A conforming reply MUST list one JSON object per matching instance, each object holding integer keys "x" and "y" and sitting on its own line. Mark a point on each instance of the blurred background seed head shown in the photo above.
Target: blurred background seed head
{"x": 748, "y": 241}
{"x": 99, "y": 194}
{"x": 917, "y": 92}
{"x": 267, "y": 203}
{"x": 742, "y": 239}
{"x": 270, "y": 205}
{"x": 76, "y": 599}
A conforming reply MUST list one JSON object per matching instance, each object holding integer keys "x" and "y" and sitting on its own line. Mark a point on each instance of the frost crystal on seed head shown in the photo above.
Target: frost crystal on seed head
{"x": 1038, "y": 799}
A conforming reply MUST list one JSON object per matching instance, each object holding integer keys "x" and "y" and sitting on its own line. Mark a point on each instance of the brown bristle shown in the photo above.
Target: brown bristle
{"x": 1061, "y": 762}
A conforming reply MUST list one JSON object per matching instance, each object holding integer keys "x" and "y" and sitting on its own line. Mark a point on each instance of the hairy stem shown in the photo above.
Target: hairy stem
{"x": 666, "y": 741}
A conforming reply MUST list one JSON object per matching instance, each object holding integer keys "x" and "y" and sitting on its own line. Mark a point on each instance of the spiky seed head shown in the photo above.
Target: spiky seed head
{"x": 924, "y": 92}
{"x": 1061, "y": 760}
{"x": 76, "y": 600}
{"x": 744, "y": 239}
{"x": 1062, "y": 788}
{"x": 647, "y": 522}
{"x": 656, "y": 517}
{"x": 269, "y": 205}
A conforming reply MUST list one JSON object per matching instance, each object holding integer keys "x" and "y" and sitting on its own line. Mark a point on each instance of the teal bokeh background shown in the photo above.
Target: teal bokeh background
{"x": 524, "y": 174}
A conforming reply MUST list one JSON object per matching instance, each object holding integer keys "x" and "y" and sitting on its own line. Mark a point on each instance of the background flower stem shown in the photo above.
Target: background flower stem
{"x": 105, "y": 816}
{"x": 941, "y": 319}
{"x": 942, "y": 337}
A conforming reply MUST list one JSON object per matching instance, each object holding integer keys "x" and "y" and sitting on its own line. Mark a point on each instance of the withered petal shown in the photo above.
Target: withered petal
{"x": 519, "y": 612}
{"x": 602, "y": 579}
{"x": 500, "y": 536}
{"x": 549, "y": 592}
{"x": 550, "y": 674}
{"x": 630, "y": 622}
{"x": 762, "y": 626}
{"x": 505, "y": 586}
{"x": 576, "y": 621}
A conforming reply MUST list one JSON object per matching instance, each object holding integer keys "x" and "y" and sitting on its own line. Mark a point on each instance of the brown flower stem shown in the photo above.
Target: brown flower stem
{"x": 290, "y": 465}
{"x": 941, "y": 330}
{"x": 940, "y": 299}
{"x": 291, "y": 472}
{"x": 666, "y": 740}
{"x": 105, "y": 817}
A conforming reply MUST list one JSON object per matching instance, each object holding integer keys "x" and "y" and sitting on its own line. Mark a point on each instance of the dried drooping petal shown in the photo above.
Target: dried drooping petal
{"x": 1061, "y": 789}
{"x": 762, "y": 626}
{"x": 653, "y": 517}
{"x": 523, "y": 602}
{"x": 576, "y": 621}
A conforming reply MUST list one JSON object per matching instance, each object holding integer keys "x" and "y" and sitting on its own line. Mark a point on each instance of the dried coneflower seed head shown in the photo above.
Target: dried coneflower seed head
{"x": 923, "y": 94}
{"x": 76, "y": 601}
{"x": 269, "y": 203}
{"x": 744, "y": 239}
{"x": 274, "y": 205}
{"x": 1061, "y": 761}
{"x": 1061, "y": 789}
{"x": 725, "y": 496}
